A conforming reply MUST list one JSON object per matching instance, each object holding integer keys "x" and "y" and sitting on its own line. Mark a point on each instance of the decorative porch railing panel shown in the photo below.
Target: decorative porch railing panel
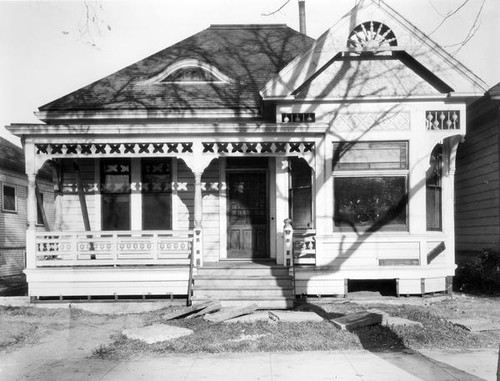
{"x": 113, "y": 248}
{"x": 304, "y": 247}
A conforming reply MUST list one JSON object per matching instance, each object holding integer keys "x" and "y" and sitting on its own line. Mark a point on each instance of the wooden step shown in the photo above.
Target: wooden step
{"x": 254, "y": 292}
{"x": 244, "y": 283}
{"x": 240, "y": 281}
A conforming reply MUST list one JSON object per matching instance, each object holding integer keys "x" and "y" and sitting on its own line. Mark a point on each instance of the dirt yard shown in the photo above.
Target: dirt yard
{"x": 57, "y": 333}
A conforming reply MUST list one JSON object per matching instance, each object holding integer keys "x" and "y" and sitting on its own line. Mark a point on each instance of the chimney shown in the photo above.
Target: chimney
{"x": 302, "y": 16}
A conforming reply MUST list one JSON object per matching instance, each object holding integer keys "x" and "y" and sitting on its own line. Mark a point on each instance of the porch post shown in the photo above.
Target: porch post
{"x": 31, "y": 170}
{"x": 31, "y": 214}
{"x": 198, "y": 217}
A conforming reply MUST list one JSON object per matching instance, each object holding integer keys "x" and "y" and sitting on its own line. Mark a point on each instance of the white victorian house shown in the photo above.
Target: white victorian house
{"x": 250, "y": 162}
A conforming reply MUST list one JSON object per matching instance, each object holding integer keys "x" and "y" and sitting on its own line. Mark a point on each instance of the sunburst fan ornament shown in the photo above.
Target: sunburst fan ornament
{"x": 371, "y": 35}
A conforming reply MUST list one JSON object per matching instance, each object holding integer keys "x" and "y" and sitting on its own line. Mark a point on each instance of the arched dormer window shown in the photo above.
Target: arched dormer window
{"x": 189, "y": 71}
{"x": 191, "y": 74}
{"x": 371, "y": 36}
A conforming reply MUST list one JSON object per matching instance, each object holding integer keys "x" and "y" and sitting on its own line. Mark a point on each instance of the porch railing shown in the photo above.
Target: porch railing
{"x": 304, "y": 247}
{"x": 113, "y": 248}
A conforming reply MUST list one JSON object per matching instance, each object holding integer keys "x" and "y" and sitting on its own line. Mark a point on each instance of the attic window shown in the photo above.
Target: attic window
{"x": 191, "y": 74}
{"x": 371, "y": 36}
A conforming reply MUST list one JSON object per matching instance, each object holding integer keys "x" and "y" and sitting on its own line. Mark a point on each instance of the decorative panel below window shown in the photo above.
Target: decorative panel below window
{"x": 370, "y": 203}
{"x": 156, "y": 194}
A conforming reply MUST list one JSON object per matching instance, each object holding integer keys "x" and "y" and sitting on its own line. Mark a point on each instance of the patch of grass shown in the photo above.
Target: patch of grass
{"x": 15, "y": 335}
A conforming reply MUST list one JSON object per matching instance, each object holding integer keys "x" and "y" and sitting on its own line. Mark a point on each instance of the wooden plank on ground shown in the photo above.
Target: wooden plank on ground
{"x": 357, "y": 320}
{"x": 230, "y": 313}
{"x": 215, "y": 306}
{"x": 184, "y": 311}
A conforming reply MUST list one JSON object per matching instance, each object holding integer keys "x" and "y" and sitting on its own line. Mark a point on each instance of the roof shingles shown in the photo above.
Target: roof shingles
{"x": 248, "y": 54}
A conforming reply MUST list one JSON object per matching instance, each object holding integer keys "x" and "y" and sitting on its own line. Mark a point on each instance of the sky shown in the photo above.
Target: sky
{"x": 51, "y": 48}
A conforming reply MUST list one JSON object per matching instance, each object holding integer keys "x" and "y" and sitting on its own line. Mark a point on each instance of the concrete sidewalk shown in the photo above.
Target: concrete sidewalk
{"x": 311, "y": 366}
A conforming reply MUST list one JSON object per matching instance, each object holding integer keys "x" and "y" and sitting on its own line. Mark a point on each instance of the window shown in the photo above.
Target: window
{"x": 300, "y": 194}
{"x": 9, "y": 198}
{"x": 156, "y": 194}
{"x": 370, "y": 186}
{"x": 191, "y": 74}
{"x": 115, "y": 198}
{"x": 434, "y": 189}
{"x": 39, "y": 209}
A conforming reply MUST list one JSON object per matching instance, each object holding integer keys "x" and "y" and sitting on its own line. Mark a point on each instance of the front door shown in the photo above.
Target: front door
{"x": 247, "y": 215}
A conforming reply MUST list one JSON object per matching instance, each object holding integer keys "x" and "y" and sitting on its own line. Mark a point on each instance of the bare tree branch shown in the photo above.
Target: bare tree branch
{"x": 277, "y": 10}
{"x": 473, "y": 30}
{"x": 451, "y": 13}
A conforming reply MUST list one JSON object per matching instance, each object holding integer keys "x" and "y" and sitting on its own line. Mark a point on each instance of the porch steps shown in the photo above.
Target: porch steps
{"x": 242, "y": 283}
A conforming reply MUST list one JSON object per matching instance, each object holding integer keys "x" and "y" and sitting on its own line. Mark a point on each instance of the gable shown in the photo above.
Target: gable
{"x": 373, "y": 28}
{"x": 360, "y": 77}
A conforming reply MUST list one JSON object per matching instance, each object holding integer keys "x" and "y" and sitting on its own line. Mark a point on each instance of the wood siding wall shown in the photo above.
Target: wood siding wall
{"x": 477, "y": 182}
{"x": 183, "y": 201}
{"x": 13, "y": 225}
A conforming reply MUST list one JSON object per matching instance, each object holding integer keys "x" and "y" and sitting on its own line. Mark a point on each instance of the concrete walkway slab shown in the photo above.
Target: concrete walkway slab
{"x": 294, "y": 316}
{"x": 156, "y": 333}
{"x": 256, "y": 316}
{"x": 481, "y": 363}
{"x": 293, "y": 366}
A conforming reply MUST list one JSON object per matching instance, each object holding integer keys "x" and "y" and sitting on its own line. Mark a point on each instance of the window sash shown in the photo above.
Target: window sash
{"x": 9, "y": 198}
{"x": 369, "y": 206}
{"x": 385, "y": 155}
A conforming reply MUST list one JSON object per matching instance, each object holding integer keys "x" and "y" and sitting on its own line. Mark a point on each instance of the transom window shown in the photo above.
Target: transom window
{"x": 9, "y": 198}
{"x": 370, "y": 186}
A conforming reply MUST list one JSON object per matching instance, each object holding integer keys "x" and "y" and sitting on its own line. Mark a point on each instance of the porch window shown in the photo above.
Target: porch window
{"x": 300, "y": 194}
{"x": 115, "y": 188}
{"x": 156, "y": 194}
{"x": 9, "y": 198}
{"x": 434, "y": 189}
{"x": 39, "y": 210}
{"x": 370, "y": 186}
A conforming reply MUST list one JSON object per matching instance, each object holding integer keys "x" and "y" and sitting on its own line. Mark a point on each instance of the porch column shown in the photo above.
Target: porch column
{"x": 198, "y": 200}
{"x": 198, "y": 217}
{"x": 198, "y": 162}
{"x": 31, "y": 214}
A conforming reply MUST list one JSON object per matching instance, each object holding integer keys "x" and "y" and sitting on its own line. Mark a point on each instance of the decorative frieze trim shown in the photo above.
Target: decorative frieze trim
{"x": 90, "y": 149}
{"x": 228, "y": 148}
{"x": 361, "y": 122}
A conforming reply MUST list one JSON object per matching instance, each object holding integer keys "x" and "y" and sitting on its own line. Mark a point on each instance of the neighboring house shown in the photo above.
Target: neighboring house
{"x": 477, "y": 201}
{"x": 13, "y": 212}
{"x": 214, "y": 144}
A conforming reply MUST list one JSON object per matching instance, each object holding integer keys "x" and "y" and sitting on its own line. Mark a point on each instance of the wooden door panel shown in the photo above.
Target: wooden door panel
{"x": 247, "y": 215}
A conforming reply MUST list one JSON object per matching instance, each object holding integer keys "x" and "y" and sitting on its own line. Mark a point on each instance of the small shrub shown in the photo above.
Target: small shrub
{"x": 479, "y": 274}
{"x": 102, "y": 352}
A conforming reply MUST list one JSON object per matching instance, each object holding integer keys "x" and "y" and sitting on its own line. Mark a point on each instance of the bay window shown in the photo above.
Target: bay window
{"x": 370, "y": 186}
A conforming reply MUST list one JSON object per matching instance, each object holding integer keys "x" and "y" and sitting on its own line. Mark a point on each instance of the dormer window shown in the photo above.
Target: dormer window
{"x": 191, "y": 74}
{"x": 189, "y": 71}
{"x": 371, "y": 36}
